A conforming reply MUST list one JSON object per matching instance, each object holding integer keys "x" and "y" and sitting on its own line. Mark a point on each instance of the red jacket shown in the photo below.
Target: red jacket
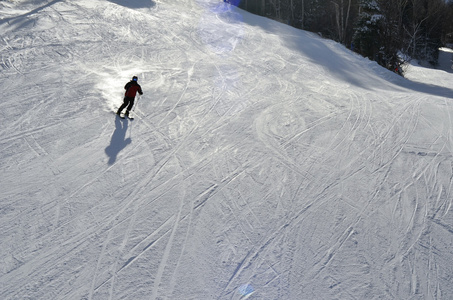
{"x": 132, "y": 87}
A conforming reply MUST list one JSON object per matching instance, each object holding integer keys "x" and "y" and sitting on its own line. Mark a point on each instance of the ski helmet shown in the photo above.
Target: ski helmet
{"x": 135, "y": 78}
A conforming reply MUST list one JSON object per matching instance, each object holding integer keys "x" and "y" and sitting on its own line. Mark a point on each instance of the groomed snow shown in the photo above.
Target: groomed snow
{"x": 264, "y": 162}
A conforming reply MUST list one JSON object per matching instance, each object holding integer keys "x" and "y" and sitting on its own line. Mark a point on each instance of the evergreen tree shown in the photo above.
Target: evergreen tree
{"x": 368, "y": 29}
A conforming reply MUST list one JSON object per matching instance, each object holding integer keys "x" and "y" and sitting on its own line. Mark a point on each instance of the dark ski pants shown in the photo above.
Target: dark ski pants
{"x": 129, "y": 102}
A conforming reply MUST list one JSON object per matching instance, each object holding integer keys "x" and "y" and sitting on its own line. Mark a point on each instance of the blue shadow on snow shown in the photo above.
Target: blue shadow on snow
{"x": 118, "y": 141}
{"x": 334, "y": 62}
{"x": 134, "y": 3}
{"x": 21, "y": 18}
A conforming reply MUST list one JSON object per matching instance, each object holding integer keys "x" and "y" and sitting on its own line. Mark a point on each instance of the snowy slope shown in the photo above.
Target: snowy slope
{"x": 263, "y": 162}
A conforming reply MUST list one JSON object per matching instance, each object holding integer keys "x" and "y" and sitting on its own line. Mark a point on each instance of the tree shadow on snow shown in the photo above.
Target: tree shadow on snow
{"x": 134, "y": 3}
{"x": 118, "y": 141}
{"x": 22, "y": 18}
{"x": 336, "y": 61}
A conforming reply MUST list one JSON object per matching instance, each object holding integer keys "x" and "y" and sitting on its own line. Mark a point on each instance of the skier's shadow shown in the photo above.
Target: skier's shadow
{"x": 135, "y": 3}
{"x": 118, "y": 141}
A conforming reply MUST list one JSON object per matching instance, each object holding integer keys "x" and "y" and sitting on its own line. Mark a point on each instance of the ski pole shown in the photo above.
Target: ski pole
{"x": 138, "y": 98}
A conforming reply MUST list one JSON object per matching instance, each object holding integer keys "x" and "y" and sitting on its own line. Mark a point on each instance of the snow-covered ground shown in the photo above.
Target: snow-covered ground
{"x": 263, "y": 162}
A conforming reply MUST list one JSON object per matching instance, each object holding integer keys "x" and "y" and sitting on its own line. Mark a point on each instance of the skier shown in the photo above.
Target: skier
{"x": 132, "y": 87}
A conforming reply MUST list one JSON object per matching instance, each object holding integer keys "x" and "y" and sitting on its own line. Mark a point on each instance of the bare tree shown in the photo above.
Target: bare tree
{"x": 342, "y": 9}
{"x": 424, "y": 28}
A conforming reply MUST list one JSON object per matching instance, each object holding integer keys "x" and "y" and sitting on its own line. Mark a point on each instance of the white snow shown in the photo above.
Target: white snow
{"x": 264, "y": 162}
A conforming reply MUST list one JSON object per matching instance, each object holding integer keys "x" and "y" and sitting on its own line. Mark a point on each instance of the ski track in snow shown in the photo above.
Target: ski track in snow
{"x": 263, "y": 161}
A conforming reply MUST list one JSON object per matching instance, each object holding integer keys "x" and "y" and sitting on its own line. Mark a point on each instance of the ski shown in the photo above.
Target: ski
{"x": 123, "y": 116}
{"x": 119, "y": 116}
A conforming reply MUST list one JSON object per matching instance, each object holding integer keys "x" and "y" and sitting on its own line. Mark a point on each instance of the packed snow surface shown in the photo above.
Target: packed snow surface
{"x": 264, "y": 162}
